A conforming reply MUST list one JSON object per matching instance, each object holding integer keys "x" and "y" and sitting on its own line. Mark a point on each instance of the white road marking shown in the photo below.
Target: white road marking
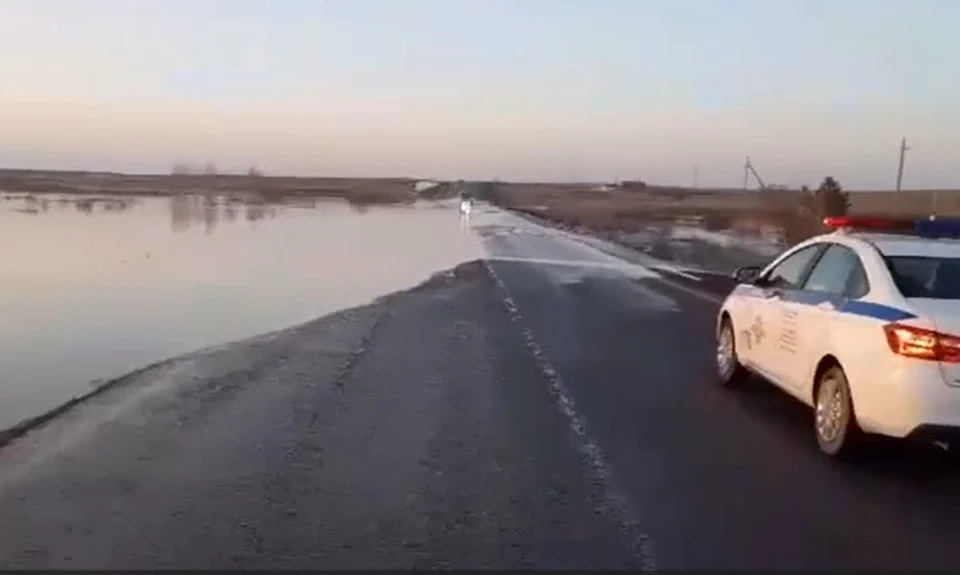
{"x": 676, "y": 271}
{"x": 610, "y": 496}
{"x": 698, "y": 293}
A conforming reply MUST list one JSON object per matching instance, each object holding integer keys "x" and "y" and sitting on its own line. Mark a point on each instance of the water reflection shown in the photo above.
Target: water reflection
{"x": 117, "y": 204}
{"x": 255, "y": 212}
{"x": 211, "y": 213}
{"x": 34, "y": 204}
{"x": 230, "y": 211}
{"x": 210, "y": 210}
{"x": 180, "y": 212}
{"x": 206, "y": 211}
{"x": 85, "y": 206}
{"x": 103, "y": 286}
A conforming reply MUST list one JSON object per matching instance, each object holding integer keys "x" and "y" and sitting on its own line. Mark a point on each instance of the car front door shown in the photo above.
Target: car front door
{"x": 777, "y": 316}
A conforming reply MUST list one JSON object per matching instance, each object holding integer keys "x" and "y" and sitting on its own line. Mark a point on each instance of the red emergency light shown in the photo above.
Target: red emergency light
{"x": 868, "y": 223}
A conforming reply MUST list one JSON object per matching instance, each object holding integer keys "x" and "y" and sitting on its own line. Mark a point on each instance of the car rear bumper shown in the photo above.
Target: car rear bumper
{"x": 913, "y": 402}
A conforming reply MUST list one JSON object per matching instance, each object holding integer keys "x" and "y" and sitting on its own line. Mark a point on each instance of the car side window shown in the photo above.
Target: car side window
{"x": 838, "y": 271}
{"x": 789, "y": 273}
{"x": 857, "y": 285}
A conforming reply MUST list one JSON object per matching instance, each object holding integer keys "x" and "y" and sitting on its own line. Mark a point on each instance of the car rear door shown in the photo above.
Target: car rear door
{"x": 836, "y": 277}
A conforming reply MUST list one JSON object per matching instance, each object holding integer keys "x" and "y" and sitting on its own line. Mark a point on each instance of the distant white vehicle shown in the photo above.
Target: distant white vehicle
{"x": 466, "y": 206}
{"x": 862, "y": 324}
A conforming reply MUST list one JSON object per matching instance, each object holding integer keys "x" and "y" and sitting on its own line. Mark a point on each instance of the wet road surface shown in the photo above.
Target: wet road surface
{"x": 551, "y": 408}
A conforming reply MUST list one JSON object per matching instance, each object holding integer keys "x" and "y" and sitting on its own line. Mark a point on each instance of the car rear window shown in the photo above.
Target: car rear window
{"x": 926, "y": 277}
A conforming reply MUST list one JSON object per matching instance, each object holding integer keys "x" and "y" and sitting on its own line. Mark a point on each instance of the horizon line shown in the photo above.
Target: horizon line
{"x": 570, "y": 183}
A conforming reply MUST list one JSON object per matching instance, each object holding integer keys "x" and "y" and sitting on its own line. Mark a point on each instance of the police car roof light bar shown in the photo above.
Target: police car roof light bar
{"x": 868, "y": 223}
{"x": 938, "y": 228}
{"x": 923, "y": 227}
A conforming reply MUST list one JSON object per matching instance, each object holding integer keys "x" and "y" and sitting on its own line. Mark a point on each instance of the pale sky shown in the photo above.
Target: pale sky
{"x": 513, "y": 89}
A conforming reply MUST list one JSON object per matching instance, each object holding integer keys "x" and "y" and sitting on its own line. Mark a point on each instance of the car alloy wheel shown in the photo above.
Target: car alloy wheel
{"x": 726, "y": 352}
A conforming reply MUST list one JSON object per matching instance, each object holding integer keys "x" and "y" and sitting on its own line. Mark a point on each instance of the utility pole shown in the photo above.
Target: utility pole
{"x": 749, "y": 169}
{"x": 903, "y": 154}
{"x": 696, "y": 176}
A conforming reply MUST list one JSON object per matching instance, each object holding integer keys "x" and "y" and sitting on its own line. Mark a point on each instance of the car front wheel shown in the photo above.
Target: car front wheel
{"x": 729, "y": 370}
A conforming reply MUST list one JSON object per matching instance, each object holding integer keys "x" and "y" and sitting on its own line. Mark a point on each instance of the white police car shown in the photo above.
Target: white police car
{"x": 862, "y": 324}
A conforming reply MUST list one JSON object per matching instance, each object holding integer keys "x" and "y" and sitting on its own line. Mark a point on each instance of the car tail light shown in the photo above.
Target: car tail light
{"x": 919, "y": 343}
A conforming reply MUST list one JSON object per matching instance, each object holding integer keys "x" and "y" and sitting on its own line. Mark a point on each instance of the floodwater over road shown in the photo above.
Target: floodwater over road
{"x": 92, "y": 288}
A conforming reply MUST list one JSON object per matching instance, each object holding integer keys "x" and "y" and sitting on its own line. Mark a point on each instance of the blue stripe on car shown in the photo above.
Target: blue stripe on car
{"x": 841, "y": 304}
{"x": 875, "y": 310}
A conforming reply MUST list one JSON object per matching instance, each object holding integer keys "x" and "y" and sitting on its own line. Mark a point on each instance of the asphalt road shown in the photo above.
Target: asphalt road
{"x": 552, "y": 408}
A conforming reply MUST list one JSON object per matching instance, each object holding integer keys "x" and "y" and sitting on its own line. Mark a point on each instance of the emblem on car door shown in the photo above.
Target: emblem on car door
{"x": 745, "y": 337}
{"x": 756, "y": 329}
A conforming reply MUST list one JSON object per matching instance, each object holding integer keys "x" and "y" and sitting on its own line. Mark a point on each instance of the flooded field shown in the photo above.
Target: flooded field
{"x": 94, "y": 287}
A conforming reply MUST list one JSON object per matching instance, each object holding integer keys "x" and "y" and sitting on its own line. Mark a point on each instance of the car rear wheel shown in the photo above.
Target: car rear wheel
{"x": 729, "y": 370}
{"x": 834, "y": 421}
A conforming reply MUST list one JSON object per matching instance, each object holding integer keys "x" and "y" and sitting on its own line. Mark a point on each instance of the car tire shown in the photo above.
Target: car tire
{"x": 835, "y": 421}
{"x": 729, "y": 371}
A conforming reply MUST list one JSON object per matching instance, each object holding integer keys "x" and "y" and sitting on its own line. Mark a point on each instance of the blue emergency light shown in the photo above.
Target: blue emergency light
{"x": 938, "y": 228}
{"x": 931, "y": 227}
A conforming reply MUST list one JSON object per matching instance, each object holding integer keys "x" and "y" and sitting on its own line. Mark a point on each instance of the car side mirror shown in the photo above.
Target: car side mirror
{"x": 747, "y": 275}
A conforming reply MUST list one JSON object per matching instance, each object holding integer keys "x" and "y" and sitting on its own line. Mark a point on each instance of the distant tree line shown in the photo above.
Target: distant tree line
{"x": 207, "y": 169}
{"x": 633, "y": 185}
{"x": 827, "y": 200}
{"x": 802, "y": 216}
{"x": 489, "y": 191}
